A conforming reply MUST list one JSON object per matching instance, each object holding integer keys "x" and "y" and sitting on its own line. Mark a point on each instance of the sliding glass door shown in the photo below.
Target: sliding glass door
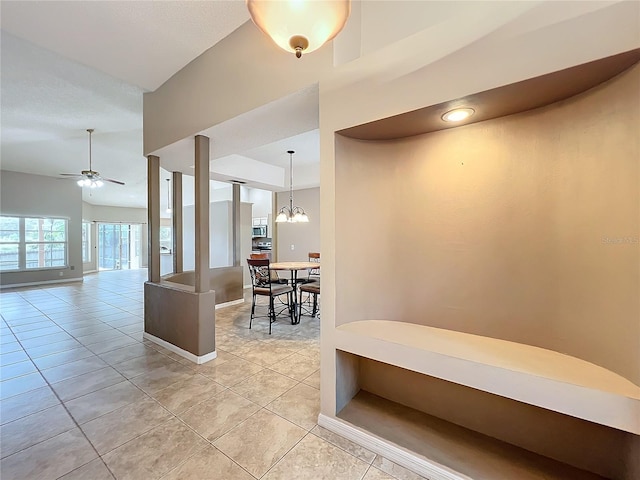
{"x": 118, "y": 246}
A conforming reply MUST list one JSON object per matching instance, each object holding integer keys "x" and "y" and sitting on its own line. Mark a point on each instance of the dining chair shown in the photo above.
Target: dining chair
{"x": 274, "y": 275}
{"x": 312, "y": 277}
{"x": 313, "y": 290}
{"x": 262, "y": 285}
{"x": 314, "y": 273}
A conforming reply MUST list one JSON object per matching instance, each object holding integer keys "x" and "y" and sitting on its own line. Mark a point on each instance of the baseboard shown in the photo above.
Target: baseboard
{"x": 45, "y": 282}
{"x": 396, "y": 454}
{"x": 177, "y": 350}
{"x": 228, "y": 304}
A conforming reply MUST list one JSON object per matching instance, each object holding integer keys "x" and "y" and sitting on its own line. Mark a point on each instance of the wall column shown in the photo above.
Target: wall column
{"x": 274, "y": 234}
{"x": 153, "y": 217}
{"x": 202, "y": 282}
{"x": 176, "y": 209}
{"x": 235, "y": 224}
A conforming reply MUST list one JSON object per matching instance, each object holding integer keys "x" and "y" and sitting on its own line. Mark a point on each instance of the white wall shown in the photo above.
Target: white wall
{"x": 35, "y": 195}
{"x": 107, "y": 214}
{"x": 262, "y": 202}
{"x": 220, "y": 240}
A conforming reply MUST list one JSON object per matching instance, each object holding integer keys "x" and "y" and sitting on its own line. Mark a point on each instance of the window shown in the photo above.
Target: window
{"x": 86, "y": 242}
{"x": 9, "y": 243}
{"x": 166, "y": 240}
{"x": 28, "y": 243}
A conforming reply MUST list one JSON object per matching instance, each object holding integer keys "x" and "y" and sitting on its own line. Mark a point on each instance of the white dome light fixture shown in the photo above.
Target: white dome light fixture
{"x": 458, "y": 114}
{"x": 299, "y": 26}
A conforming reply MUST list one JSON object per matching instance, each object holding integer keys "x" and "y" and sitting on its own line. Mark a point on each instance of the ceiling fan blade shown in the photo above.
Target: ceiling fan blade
{"x": 71, "y": 174}
{"x": 112, "y": 181}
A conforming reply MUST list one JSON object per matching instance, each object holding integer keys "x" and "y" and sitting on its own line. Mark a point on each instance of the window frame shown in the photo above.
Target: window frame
{"x": 86, "y": 245}
{"x": 23, "y": 243}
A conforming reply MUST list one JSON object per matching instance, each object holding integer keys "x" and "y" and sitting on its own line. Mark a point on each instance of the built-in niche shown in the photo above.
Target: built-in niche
{"x": 521, "y": 229}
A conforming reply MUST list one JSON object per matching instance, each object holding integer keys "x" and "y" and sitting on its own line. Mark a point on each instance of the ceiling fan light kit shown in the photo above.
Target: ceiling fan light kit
{"x": 90, "y": 178}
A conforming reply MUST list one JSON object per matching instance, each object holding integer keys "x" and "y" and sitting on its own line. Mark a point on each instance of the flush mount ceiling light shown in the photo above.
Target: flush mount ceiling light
{"x": 291, "y": 214}
{"x": 458, "y": 114}
{"x": 300, "y": 25}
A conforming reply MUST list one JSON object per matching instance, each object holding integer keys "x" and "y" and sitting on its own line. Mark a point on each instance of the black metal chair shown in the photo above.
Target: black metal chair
{"x": 313, "y": 289}
{"x": 275, "y": 278}
{"x": 261, "y": 284}
{"x": 314, "y": 273}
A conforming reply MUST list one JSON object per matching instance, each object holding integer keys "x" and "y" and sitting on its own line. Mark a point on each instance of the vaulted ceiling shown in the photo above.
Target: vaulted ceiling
{"x": 69, "y": 66}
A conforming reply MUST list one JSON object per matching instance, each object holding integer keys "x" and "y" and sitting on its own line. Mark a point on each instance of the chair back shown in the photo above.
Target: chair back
{"x": 259, "y": 256}
{"x": 260, "y": 272}
{"x": 314, "y": 257}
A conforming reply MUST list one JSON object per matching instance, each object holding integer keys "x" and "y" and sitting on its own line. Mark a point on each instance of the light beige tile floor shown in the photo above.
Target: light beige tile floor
{"x": 83, "y": 396}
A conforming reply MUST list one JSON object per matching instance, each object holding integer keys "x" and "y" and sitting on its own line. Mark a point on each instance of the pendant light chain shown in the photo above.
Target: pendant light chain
{"x": 290, "y": 181}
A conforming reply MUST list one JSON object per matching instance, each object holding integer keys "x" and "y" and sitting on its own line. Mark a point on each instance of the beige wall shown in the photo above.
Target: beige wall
{"x": 240, "y": 73}
{"x": 305, "y": 237}
{"x": 245, "y": 240}
{"x": 23, "y": 194}
{"x": 523, "y": 228}
{"x": 580, "y": 443}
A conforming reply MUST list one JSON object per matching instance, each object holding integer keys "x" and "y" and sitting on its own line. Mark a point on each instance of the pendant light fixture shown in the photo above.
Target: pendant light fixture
{"x": 291, "y": 214}
{"x": 168, "y": 197}
{"x": 299, "y": 26}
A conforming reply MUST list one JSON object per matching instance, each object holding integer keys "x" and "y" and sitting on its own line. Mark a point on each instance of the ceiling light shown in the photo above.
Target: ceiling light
{"x": 90, "y": 178}
{"x": 458, "y": 114}
{"x": 300, "y": 25}
{"x": 291, "y": 214}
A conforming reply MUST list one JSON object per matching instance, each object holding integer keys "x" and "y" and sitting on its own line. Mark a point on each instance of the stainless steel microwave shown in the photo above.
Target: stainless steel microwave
{"x": 259, "y": 231}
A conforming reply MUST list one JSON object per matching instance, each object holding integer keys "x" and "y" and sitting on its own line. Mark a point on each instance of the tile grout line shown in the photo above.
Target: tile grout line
{"x": 204, "y": 438}
{"x": 228, "y": 328}
{"x": 77, "y": 425}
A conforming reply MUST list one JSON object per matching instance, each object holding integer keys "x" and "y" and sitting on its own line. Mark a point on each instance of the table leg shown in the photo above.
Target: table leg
{"x": 294, "y": 281}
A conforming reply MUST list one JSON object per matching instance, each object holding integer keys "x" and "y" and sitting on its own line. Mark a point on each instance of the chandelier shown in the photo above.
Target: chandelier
{"x": 291, "y": 214}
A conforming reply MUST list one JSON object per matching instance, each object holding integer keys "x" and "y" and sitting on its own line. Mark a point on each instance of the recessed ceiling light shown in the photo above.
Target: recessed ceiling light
{"x": 458, "y": 114}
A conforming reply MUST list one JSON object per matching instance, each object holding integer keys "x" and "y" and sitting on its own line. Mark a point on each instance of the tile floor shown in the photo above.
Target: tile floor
{"x": 83, "y": 396}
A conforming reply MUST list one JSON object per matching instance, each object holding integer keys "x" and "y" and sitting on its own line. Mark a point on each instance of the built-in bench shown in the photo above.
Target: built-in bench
{"x": 440, "y": 449}
{"x": 529, "y": 374}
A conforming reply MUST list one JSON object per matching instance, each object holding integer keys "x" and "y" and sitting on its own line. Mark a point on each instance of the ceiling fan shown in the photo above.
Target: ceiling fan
{"x": 90, "y": 178}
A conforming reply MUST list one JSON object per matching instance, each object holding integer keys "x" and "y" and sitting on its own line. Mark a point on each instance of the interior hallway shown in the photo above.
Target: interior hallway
{"x": 83, "y": 396}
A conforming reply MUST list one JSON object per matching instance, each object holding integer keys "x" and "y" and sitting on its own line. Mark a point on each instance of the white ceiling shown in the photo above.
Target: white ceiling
{"x": 69, "y": 66}
{"x": 140, "y": 42}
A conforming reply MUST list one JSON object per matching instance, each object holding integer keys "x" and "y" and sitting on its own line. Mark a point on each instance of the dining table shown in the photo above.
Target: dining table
{"x": 294, "y": 268}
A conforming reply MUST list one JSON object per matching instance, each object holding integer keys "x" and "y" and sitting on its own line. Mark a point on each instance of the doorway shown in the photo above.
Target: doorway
{"x": 118, "y": 246}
